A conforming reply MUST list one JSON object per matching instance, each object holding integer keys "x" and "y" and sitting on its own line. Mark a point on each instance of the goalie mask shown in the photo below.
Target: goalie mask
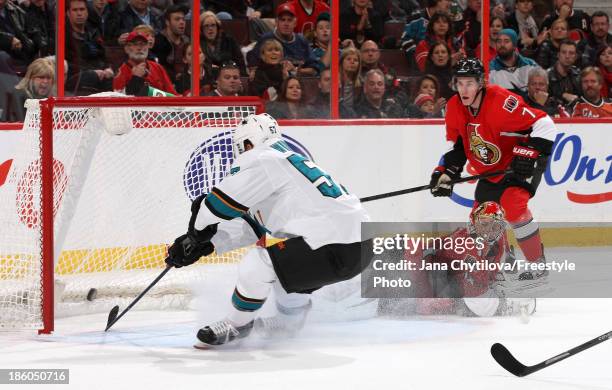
{"x": 256, "y": 129}
{"x": 488, "y": 221}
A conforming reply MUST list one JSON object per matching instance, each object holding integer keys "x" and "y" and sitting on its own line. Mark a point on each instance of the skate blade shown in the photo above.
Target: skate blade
{"x": 203, "y": 346}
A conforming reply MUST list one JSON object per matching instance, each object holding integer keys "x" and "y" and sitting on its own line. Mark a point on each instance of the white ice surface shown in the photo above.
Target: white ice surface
{"x": 153, "y": 350}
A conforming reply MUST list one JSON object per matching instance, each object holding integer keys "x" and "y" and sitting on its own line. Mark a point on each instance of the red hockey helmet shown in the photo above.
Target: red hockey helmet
{"x": 487, "y": 220}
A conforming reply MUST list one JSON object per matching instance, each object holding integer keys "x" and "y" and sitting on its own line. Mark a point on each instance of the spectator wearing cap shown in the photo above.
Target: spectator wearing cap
{"x": 219, "y": 47}
{"x": 88, "y": 70}
{"x": 171, "y": 42}
{"x": 321, "y": 44}
{"x": 14, "y": 37}
{"x": 564, "y": 76}
{"x": 228, "y": 80}
{"x": 425, "y": 103}
{"x": 40, "y": 18}
{"x": 138, "y": 73}
{"x": 429, "y": 85}
{"x": 150, "y": 34}
{"x": 307, "y": 13}
{"x": 295, "y": 47}
{"x": 372, "y": 102}
{"x": 509, "y": 69}
{"x": 370, "y": 58}
{"x": 360, "y": 23}
{"x": 549, "y": 49}
{"x": 600, "y": 25}
{"x": 578, "y": 20}
{"x": 104, "y": 15}
{"x": 537, "y": 95}
{"x": 138, "y": 12}
{"x": 591, "y": 104}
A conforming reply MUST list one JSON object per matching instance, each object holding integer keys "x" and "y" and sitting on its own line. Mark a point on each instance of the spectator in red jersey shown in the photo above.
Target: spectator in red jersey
{"x": 360, "y": 23}
{"x": 219, "y": 47}
{"x": 564, "y": 76}
{"x": 439, "y": 29}
{"x": 170, "y": 43}
{"x": 228, "y": 80}
{"x": 150, "y": 34}
{"x": 604, "y": 62}
{"x": 183, "y": 81}
{"x": 138, "y": 73}
{"x": 549, "y": 49}
{"x": 495, "y": 26}
{"x": 290, "y": 103}
{"x": 271, "y": 71}
{"x": 307, "y": 12}
{"x": 577, "y": 20}
{"x": 370, "y": 58}
{"x": 439, "y": 64}
{"x": 591, "y": 104}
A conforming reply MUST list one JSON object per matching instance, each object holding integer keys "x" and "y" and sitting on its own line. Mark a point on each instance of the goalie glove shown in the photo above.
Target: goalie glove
{"x": 441, "y": 180}
{"x": 524, "y": 161}
{"x": 188, "y": 248}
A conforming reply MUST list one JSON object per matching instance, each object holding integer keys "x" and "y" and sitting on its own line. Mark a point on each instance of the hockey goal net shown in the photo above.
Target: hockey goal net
{"x": 98, "y": 189}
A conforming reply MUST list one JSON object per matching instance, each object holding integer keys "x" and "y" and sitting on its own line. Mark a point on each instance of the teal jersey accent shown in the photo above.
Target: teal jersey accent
{"x": 313, "y": 173}
{"x": 281, "y": 146}
{"x": 243, "y": 305}
{"x": 234, "y": 170}
{"x": 221, "y": 209}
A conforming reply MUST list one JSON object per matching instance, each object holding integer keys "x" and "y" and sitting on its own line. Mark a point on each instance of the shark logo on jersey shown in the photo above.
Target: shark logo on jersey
{"x": 211, "y": 161}
{"x": 485, "y": 152}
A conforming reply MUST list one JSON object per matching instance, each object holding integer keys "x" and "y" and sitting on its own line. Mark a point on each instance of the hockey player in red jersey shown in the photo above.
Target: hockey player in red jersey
{"x": 496, "y": 131}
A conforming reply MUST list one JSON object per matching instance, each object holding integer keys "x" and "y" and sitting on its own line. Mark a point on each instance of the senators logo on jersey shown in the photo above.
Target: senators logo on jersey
{"x": 485, "y": 152}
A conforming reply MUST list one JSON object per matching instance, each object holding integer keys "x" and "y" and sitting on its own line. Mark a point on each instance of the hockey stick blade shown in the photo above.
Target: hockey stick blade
{"x": 509, "y": 362}
{"x": 505, "y": 359}
{"x": 112, "y": 315}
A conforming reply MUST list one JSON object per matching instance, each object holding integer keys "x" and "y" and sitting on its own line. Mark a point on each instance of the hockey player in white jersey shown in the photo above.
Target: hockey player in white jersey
{"x": 297, "y": 201}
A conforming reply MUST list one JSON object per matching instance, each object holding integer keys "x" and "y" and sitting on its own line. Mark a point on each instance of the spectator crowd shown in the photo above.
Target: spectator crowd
{"x": 395, "y": 59}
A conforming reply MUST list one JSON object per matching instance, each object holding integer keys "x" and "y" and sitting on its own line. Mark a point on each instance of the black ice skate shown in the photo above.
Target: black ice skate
{"x": 221, "y": 332}
{"x": 286, "y": 323}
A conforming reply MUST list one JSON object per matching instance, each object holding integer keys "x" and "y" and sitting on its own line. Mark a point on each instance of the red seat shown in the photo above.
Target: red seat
{"x": 237, "y": 29}
{"x": 394, "y": 29}
{"x": 395, "y": 59}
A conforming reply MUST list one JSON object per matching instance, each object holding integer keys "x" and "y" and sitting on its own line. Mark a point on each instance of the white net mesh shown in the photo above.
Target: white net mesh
{"x": 121, "y": 195}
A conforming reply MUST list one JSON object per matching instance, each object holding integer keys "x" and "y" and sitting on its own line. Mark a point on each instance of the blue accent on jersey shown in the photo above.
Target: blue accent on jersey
{"x": 220, "y": 208}
{"x": 328, "y": 188}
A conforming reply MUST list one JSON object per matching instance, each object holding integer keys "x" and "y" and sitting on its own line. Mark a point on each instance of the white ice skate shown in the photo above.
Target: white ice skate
{"x": 286, "y": 323}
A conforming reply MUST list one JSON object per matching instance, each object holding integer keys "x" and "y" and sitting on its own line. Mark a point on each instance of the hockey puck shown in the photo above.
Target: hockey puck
{"x": 92, "y": 294}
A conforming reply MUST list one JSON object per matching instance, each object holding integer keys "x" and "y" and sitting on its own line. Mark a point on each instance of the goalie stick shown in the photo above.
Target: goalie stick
{"x": 428, "y": 186}
{"x": 509, "y": 362}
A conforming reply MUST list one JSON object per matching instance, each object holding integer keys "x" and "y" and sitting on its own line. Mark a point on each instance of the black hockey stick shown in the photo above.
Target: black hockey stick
{"x": 428, "y": 186}
{"x": 509, "y": 362}
{"x": 113, "y": 317}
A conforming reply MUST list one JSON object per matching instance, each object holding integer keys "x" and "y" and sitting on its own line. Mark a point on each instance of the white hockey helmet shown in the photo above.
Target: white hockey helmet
{"x": 256, "y": 129}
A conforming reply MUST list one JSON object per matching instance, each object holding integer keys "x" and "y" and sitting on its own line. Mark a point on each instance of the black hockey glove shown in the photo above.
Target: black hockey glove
{"x": 441, "y": 178}
{"x": 188, "y": 248}
{"x": 524, "y": 161}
